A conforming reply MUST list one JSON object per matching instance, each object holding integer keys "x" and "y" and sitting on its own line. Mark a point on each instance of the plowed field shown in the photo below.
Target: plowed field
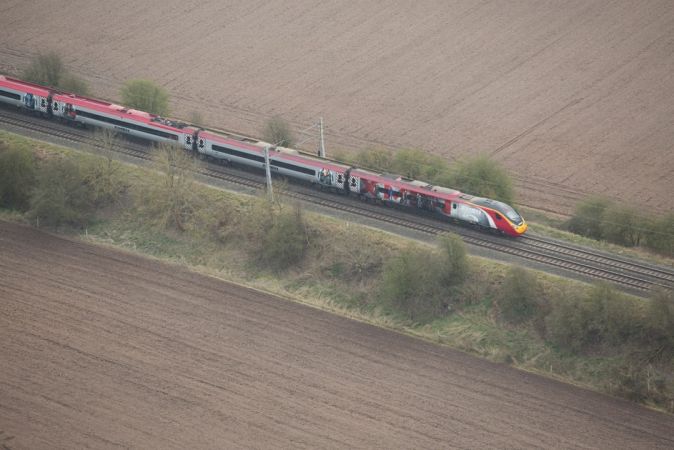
{"x": 105, "y": 349}
{"x": 574, "y": 97}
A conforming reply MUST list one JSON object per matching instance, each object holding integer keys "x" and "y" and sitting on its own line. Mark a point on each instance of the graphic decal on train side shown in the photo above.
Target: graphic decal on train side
{"x": 29, "y": 101}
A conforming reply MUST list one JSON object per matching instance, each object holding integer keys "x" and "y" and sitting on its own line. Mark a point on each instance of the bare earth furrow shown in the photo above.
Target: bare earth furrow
{"x": 102, "y": 348}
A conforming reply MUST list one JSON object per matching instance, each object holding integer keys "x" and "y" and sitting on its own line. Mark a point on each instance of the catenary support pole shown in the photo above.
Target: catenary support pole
{"x": 321, "y": 145}
{"x": 267, "y": 169}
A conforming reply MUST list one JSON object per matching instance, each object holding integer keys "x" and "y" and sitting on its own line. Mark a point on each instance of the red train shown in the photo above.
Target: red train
{"x": 342, "y": 178}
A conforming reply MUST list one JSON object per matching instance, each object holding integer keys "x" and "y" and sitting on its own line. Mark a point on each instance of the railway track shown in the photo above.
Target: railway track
{"x": 630, "y": 274}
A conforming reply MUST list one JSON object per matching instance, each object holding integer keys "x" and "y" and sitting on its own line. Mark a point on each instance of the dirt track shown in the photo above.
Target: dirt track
{"x": 572, "y": 96}
{"x": 105, "y": 349}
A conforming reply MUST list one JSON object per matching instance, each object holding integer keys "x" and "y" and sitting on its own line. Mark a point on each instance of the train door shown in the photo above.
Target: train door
{"x": 56, "y": 108}
{"x": 341, "y": 181}
{"x": 346, "y": 181}
{"x": 187, "y": 140}
{"x": 191, "y": 141}
{"x": 354, "y": 184}
{"x": 42, "y": 104}
{"x": 29, "y": 101}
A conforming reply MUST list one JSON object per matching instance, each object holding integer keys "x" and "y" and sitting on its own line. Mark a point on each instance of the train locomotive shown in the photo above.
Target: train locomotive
{"x": 412, "y": 195}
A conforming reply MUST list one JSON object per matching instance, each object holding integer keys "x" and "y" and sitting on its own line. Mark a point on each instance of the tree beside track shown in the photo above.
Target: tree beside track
{"x": 145, "y": 95}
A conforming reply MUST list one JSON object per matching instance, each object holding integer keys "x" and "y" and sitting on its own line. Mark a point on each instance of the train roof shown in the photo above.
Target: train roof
{"x": 103, "y": 106}
{"x": 319, "y": 162}
{"x": 501, "y": 207}
{"x": 24, "y": 86}
{"x": 415, "y": 186}
{"x": 239, "y": 141}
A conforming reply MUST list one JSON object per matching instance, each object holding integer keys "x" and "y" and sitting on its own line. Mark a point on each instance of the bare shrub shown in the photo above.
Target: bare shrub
{"x": 660, "y": 235}
{"x": 659, "y": 326}
{"x": 588, "y": 216}
{"x": 145, "y": 95}
{"x": 375, "y": 158}
{"x": 519, "y": 295}
{"x": 221, "y": 221}
{"x": 62, "y": 194}
{"x": 285, "y": 244}
{"x": 46, "y": 68}
{"x": 104, "y": 174}
{"x": 417, "y": 164}
{"x": 411, "y": 284}
{"x": 603, "y": 316}
{"x": 74, "y": 84}
{"x": 277, "y": 236}
{"x": 358, "y": 257}
{"x": 481, "y": 176}
{"x": 277, "y": 131}
{"x": 17, "y": 177}
{"x": 453, "y": 259}
{"x": 172, "y": 202}
{"x": 197, "y": 119}
{"x": 621, "y": 225}
{"x": 618, "y": 317}
{"x": 423, "y": 284}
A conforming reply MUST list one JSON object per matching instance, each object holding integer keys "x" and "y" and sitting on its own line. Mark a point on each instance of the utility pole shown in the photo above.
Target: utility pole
{"x": 270, "y": 193}
{"x": 310, "y": 136}
{"x": 321, "y": 144}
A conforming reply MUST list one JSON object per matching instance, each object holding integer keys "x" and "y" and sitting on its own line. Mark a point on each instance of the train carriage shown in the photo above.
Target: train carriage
{"x": 28, "y": 96}
{"x": 449, "y": 203}
{"x": 129, "y": 121}
{"x": 282, "y": 161}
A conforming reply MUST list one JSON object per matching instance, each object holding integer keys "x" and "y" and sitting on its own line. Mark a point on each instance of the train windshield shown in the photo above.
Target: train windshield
{"x": 501, "y": 207}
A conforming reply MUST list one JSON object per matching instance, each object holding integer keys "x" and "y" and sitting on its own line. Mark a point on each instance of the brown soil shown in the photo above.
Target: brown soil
{"x": 104, "y": 349}
{"x": 574, "y": 97}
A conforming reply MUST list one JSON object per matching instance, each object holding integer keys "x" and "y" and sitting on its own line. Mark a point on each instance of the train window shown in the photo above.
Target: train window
{"x": 292, "y": 167}
{"x": 125, "y": 125}
{"x": 498, "y": 216}
{"x": 11, "y": 95}
{"x": 237, "y": 153}
{"x": 453, "y": 205}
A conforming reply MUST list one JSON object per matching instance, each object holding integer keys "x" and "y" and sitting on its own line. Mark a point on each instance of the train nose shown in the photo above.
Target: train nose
{"x": 522, "y": 228}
